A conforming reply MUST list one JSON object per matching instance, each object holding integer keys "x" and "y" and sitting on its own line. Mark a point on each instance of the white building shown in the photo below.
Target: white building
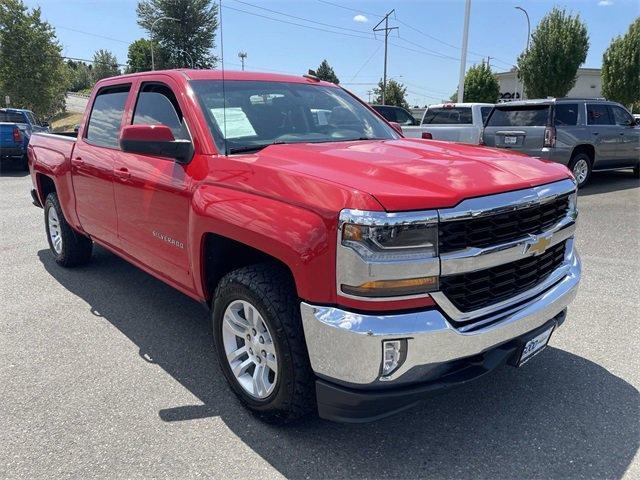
{"x": 588, "y": 85}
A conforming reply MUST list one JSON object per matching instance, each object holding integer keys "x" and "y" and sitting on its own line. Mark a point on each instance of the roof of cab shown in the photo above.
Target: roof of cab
{"x": 191, "y": 74}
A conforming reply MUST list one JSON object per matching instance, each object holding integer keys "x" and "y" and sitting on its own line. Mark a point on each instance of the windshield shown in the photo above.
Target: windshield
{"x": 527, "y": 116}
{"x": 259, "y": 114}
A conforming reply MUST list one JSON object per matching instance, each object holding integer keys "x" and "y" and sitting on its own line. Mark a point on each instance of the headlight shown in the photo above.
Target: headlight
{"x": 573, "y": 205}
{"x": 383, "y": 255}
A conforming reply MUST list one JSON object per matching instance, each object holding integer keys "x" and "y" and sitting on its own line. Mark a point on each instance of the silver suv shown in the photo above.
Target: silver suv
{"x": 584, "y": 134}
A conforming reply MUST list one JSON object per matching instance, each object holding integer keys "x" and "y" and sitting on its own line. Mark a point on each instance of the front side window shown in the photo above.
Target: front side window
{"x": 448, "y": 116}
{"x": 520, "y": 116}
{"x": 621, "y": 116}
{"x": 250, "y": 115}
{"x": 157, "y": 105}
{"x": 106, "y": 116}
{"x": 388, "y": 113}
{"x": 598, "y": 114}
{"x": 566, "y": 114}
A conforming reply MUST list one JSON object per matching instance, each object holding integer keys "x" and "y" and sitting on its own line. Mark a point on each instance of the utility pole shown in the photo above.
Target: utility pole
{"x": 242, "y": 56}
{"x": 463, "y": 58}
{"x": 489, "y": 63}
{"x": 386, "y": 31}
{"x": 369, "y": 92}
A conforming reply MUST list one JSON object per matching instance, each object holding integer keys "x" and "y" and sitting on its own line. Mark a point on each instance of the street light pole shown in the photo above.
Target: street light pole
{"x": 528, "y": 38}
{"x": 153, "y": 24}
{"x": 463, "y": 57}
{"x": 188, "y": 55}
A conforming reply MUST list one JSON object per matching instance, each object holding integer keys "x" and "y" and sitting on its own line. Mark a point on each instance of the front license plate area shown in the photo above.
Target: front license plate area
{"x": 535, "y": 345}
{"x": 510, "y": 140}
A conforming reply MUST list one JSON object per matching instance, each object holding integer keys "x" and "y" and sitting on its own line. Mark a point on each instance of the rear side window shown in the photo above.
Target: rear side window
{"x": 566, "y": 114}
{"x": 12, "y": 117}
{"x": 106, "y": 116}
{"x": 485, "y": 111}
{"x": 448, "y": 116}
{"x": 598, "y": 115}
{"x": 526, "y": 116}
{"x": 157, "y": 105}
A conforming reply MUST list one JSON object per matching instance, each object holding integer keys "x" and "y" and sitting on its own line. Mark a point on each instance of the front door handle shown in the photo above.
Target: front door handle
{"x": 78, "y": 161}
{"x": 123, "y": 173}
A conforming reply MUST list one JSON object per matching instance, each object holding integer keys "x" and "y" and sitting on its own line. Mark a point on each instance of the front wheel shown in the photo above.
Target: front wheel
{"x": 69, "y": 248}
{"x": 580, "y": 166}
{"x": 260, "y": 343}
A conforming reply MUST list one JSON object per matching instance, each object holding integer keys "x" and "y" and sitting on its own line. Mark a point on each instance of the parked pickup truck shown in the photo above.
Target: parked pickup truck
{"x": 453, "y": 122}
{"x": 348, "y": 269}
{"x": 16, "y": 127}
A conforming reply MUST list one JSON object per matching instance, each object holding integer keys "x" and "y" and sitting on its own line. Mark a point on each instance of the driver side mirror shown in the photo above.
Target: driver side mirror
{"x": 155, "y": 140}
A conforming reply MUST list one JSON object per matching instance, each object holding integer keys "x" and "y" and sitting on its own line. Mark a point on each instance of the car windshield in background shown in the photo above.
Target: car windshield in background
{"x": 448, "y": 116}
{"x": 524, "y": 116}
{"x": 12, "y": 117}
{"x": 251, "y": 115}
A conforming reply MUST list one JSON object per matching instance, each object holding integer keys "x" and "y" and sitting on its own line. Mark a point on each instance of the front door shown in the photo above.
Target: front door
{"x": 92, "y": 164}
{"x": 605, "y": 135}
{"x": 629, "y": 147}
{"x": 153, "y": 193}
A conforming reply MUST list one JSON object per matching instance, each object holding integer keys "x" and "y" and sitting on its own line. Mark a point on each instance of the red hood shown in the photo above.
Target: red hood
{"x": 413, "y": 174}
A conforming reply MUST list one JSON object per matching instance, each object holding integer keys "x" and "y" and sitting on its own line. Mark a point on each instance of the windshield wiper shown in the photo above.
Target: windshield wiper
{"x": 253, "y": 148}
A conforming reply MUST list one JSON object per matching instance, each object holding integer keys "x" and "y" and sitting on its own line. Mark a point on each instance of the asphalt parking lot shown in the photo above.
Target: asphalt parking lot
{"x": 107, "y": 372}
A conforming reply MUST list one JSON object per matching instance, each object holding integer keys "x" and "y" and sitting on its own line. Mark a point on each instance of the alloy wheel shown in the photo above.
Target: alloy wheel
{"x": 55, "y": 233}
{"x": 249, "y": 349}
{"x": 581, "y": 171}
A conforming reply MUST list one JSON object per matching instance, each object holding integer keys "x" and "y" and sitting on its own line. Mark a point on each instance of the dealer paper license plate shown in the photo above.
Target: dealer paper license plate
{"x": 535, "y": 346}
{"x": 510, "y": 140}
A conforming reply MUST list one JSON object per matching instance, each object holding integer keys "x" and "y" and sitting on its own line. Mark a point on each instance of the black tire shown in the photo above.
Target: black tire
{"x": 24, "y": 163}
{"x": 589, "y": 161}
{"x": 636, "y": 171}
{"x": 270, "y": 289}
{"x": 76, "y": 248}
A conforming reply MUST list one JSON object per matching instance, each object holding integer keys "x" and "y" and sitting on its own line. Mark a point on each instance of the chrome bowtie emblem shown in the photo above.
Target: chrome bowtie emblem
{"x": 538, "y": 245}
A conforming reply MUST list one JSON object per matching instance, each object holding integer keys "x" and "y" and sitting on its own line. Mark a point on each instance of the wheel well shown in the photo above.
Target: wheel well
{"x": 46, "y": 186}
{"x": 222, "y": 255}
{"x": 588, "y": 149}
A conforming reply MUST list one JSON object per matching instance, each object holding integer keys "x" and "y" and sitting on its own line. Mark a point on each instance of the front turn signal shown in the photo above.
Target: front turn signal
{"x": 393, "y": 288}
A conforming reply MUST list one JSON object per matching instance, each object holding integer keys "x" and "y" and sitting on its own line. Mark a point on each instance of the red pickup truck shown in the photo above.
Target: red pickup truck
{"x": 348, "y": 269}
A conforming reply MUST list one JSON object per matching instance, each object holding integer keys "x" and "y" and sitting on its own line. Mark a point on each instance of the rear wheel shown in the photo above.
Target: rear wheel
{"x": 260, "y": 343}
{"x": 580, "y": 166}
{"x": 636, "y": 171}
{"x": 69, "y": 247}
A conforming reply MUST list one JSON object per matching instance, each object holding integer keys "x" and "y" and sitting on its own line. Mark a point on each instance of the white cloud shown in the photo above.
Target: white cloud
{"x": 363, "y": 19}
{"x": 605, "y": 3}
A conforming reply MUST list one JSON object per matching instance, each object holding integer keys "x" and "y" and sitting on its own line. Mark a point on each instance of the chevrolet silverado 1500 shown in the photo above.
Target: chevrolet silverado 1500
{"x": 348, "y": 270}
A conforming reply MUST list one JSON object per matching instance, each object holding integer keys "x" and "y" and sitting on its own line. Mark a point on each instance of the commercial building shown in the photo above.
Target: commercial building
{"x": 588, "y": 85}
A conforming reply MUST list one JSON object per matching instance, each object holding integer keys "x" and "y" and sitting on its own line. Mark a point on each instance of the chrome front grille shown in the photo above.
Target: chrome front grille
{"x": 485, "y": 231}
{"x": 476, "y": 290}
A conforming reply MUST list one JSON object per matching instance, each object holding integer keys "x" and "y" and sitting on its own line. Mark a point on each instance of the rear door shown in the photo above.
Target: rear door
{"x": 518, "y": 127}
{"x": 629, "y": 148}
{"x": 153, "y": 193}
{"x": 92, "y": 164}
{"x": 606, "y": 135}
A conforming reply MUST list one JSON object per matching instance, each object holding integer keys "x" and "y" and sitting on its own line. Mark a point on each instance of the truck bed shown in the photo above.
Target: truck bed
{"x": 51, "y": 150}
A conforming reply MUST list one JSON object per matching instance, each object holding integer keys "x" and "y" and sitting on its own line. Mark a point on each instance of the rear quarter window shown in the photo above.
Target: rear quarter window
{"x": 524, "y": 116}
{"x": 566, "y": 114}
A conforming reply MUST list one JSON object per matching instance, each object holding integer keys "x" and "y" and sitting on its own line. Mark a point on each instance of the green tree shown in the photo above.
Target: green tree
{"x": 621, "y": 67}
{"x": 325, "y": 72}
{"x": 139, "y": 56}
{"x": 80, "y": 75}
{"x": 559, "y": 45}
{"x": 105, "y": 64}
{"x": 190, "y": 38}
{"x": 395, "y": 94}
{"x": 480, "y": 85}
{"x": 32, "y": 72}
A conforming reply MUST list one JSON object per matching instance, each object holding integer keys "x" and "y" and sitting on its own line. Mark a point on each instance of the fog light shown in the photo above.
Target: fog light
{"x": 393, "y": 354}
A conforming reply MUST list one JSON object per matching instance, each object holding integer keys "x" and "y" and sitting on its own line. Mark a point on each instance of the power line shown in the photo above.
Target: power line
{"x": 93, "y": 34}
{"x": 366, "y": 62}
{"x": 92, "y": 61}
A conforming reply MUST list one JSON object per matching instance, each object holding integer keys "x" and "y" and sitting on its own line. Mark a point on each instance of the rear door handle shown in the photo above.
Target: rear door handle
{"x": 78, "y": 161}
{"x": 596, "y": 133}
{"x": 123, "y": 173}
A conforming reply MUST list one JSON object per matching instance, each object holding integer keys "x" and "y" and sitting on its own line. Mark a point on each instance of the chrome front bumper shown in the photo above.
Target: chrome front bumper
{"x": 346, "y": 347}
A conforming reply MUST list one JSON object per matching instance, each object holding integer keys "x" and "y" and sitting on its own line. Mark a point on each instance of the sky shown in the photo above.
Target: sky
{"x": 295, "y": 35}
